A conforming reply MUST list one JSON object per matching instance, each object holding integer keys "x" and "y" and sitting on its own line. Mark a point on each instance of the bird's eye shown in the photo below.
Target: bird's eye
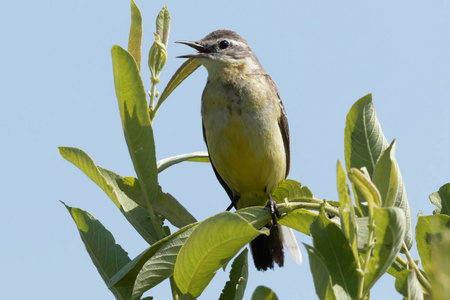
{"x": 224, "y": 44}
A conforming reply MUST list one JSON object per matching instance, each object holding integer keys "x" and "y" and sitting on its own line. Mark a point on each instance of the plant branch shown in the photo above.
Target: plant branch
{"x": 314, "y": 203}
{"x": 423, "y": 281}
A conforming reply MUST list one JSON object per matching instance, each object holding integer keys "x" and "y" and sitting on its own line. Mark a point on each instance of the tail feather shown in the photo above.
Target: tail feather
{"x": 267, "y": 249}
{"x": 290, "y": 243}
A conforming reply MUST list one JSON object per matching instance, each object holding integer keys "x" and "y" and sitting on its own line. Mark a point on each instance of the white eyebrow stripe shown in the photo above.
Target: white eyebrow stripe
{"x": 238, "y": 43}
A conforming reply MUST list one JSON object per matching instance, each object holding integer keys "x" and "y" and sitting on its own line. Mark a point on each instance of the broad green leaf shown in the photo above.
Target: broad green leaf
{"x": 135, "y": 38}
{"x": 299, "y": 219}
{"x": 406, "y": 283}
{"x": 362, "y": 224}
{"x": 347, "y": 211}
{"x": 128, "y": 274}
{"x": 291, "y": 190}
{"x": 107, "y": 256}
{"x": 108, "y": 182}
{"x": 235, "y": 287}
{"x": 181, "y": 74}
{"x": 200, "y": 156}
{"x": 440, "y": 264}
{"x": 136, "y": 123}
{"x": 322, "y": 279}
{"x": 388, "y": 180}
{"x": 429, "y": 231}
{"x": 366, "y": 188}
{"x": 364, "y": 140}
{"x": 441, "y": 200}
{"x": 212, "y": 244}
{"x": 389, "y": 232}
{"x": 163, "y": 25}
{"x": 257, "y": 216}
{"x": 166, "y": 205}
{"x": 264, "y": 293}
{"x": 291, "y": 216}
{"x": 161, "y": 265}
{"x": 332, "y": 245}
{"x": 83, "y": 162}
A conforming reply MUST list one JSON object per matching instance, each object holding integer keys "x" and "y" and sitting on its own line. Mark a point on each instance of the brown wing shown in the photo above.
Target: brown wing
{"x": 222, "y": 182}
{"x": 284, "y": 127}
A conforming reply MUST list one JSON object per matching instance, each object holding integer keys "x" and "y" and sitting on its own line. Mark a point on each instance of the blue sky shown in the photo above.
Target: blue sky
{"x": 57, "y": 90}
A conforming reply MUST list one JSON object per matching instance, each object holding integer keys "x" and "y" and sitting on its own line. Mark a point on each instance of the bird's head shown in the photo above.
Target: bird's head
{"x": 220, "y": 49}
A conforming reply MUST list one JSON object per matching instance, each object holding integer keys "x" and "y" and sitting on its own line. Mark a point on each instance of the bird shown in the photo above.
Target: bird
{"x": 246, "y": 132}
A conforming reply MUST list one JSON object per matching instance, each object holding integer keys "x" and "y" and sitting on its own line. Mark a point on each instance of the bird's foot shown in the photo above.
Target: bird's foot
{"x": 272, "y": 205}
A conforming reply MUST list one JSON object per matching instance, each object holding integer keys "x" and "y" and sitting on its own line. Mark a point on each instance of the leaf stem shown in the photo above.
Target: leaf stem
{"x": 152, "y": 100}
{"x": 316, "y": 204}
{"x": 423, "y": 281}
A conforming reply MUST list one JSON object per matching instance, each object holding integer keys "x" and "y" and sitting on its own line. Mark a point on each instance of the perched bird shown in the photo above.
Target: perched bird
{"x": 246, "y": 132}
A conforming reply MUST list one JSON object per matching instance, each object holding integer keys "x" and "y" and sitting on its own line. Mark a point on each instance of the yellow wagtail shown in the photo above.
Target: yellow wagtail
{"x": 246, "y": 132}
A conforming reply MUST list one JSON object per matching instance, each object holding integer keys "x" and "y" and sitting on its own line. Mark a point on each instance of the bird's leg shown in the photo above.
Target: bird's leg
{"x": 234, "y": 202}
{"x": 272, "y": 205}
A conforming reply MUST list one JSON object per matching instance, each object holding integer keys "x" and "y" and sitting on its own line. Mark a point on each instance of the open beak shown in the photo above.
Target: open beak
{"x": 202, "y": 50}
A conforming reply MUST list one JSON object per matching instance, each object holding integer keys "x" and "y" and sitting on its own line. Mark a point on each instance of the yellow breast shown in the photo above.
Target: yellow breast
{"x": 243, "y": 136}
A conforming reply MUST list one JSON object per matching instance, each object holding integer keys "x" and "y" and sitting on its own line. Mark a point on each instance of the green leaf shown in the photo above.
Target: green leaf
{"x": 362, "y": 224}
{"x": 264, "y": 293}
{"x": 364, "y": 140}
{"x": 135, "y": 38}
{"x": 161, "y": 265}
{"x": 172, "y": 244}
{"x": 257, "y": 216}
{"x": 366, "y": 188}
{"x": 181, "y": 74}
{"x": 385, "y": 177}
{"x": 136, "y": 124}
{"x": 347, "y": 211}
{"x": 429, "y": 232}
{"x": 166, "y": 205}
{"x": 440, "y": 265}
{"x": 389, "y": 232}
{"x": 212, "y": 244}
{"x": 388, "y": 180}
{"x": 163, "y": 25}
{"x": 291, "y": 190}
{"x": 176, "y": 293}
{"x": 107, "y": 256}
{"x": 291, "y": 216}
{"x": 299, "y": 219}
{"x": 322, "y": 279}
{"x": 235, "y": 287}
{"x": 441, "y": 200}
{"x": 406, "y": 283}
{"x": 187, "y": 297}
{"x": 108, "y": 182}
{"x": 332, "y": 245}
{"x": 200, "y": 156}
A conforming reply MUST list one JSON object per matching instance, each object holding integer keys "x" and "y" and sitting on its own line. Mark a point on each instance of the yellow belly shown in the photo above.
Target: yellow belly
{"x": 247, "y": 150}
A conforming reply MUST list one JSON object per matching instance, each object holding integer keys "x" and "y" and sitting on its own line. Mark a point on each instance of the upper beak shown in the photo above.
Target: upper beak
{"x": 200, "y": 48}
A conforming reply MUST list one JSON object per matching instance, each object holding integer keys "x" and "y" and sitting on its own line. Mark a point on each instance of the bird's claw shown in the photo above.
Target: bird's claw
{"x": 272, "y": 205}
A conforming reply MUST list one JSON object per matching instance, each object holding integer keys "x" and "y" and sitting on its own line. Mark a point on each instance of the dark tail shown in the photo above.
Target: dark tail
{"x": 267, "y": 249}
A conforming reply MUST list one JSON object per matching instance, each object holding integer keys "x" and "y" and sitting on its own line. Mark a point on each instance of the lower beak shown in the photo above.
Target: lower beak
{"x": 202, "y": 50}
